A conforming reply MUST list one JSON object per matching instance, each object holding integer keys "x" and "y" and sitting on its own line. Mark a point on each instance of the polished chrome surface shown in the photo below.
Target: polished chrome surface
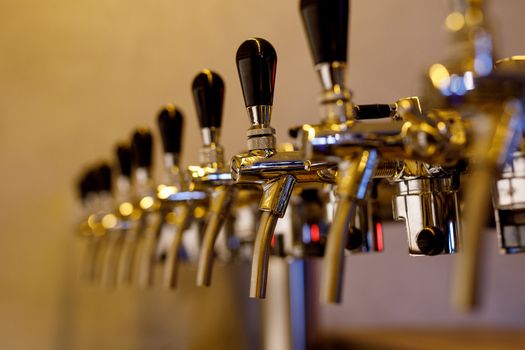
{"x": 183, "y": 217}
{"x": 260, "y": 116}
{"x": 331, "y": 74}
{"x": 353, "y": 181}
{"x": 335, "y": 100}
{"x": 210, "y": 136}
{"x": 261, "y": 254}
{"x": 509, "y": 205}
{"x": 212, "y": 156}
{"x": 220, "y": 204}
{"x": 430, "y": 208}
{"x": 258, "y": 167}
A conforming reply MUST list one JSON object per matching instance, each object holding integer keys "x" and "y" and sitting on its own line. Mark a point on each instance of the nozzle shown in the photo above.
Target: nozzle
{"x": 273, "y": 203}
{"x": 171, "y": 266}
{"x": 219, "y": 208}
{"x": 353, "y": 183}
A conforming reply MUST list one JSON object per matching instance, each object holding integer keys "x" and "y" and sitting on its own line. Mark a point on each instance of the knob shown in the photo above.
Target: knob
{"x": 354, "y": 239}
{"x": 103, "y": 173}
{"x": 171, "y": 122}
{"x": 123, "y": 152}
{"x": 430, "y": 241}
{"x": 326, "y": 25}
{"x": 85, "y": 186}
{"x": 256, "y": 64}
{"x": 142, "y": 148}
{"x": 92, "y": 181}
{"x": 208, "y": 95}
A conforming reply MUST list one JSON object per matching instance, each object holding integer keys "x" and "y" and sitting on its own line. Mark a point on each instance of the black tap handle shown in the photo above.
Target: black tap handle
{"x": 256, "y": 63}
{"x": 123, "y": 151}
{"x": 142, "y": 148}
{"x": 84, "y": 186}
{"x": 92, "y": 181}
{"x": 326, "y": 25}
{"x": 373, "y": 111}
{"x": 104, "y": 177}
{"x": 171, "y": 122}
{"x": 208, "y": 95}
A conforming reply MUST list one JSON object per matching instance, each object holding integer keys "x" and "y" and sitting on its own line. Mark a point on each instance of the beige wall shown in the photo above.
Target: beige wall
{"x": 76, "y": 76}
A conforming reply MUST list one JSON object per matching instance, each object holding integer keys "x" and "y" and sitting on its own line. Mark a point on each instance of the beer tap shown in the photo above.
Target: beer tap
{"x": 124, "y": 213}
{"x": 393, "y": 141}
{"x": 177, "y": 194}
{"x": 136, "y": 256}
{"x": 211, "y": 176}
{"x": 87, "y": 189}
{"x": 489, "y": 102}
{"x": 509, "y": 193}
{"x": 274, "y": 171}
{"x": 95, "y": 189}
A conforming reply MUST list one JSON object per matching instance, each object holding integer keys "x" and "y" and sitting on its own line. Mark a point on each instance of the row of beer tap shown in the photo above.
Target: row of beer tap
{"x": 464, "y": 133}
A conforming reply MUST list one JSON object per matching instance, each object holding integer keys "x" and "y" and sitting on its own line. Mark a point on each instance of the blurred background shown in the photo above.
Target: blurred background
{"x": 77, "y": 76}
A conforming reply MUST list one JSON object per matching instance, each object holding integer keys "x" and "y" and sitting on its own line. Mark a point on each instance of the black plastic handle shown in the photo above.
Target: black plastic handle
{"x": 85, "y": 185}
{"x": 142, "y": 148}
{"x": 256, "y": 63}
{"x": 362, "y": 112}
{"x": 171, "y": 123}
{"x": 104, "y": 177}
{"x": 373, "y": 111}
{"x": 208, "y": 95}
{"x": 123, "y": 153}
{"x": 326, "y": 25}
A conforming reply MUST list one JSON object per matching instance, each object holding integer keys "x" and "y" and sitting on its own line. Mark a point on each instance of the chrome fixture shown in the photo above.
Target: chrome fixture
{"x": 274, "y": 171}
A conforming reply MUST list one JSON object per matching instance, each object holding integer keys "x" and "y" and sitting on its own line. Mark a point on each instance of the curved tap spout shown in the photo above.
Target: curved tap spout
{"x": 353, "y": 182}
{"x": 273, "y": 203}
{"x": 490, "y": 153}
{"x": 172, "y": 261}
{"x": 220, "y": 204}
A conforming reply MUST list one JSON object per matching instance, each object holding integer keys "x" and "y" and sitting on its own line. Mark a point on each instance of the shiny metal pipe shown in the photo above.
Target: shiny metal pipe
{"x": 333, "y": 264}
{"x": 90, "y": 261}
{"x": 148, "y": 248}
{"x": 172, "y": 261}
{"x": 127, "y": 256}
{"x": 355, "y": 175}
{"x": 261, "y": 254}
{"x": 219, "y": 207}
{"x": 467, "y": 263}
{"x": 490, "y": 152}
{"x": 111, "y": 257}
